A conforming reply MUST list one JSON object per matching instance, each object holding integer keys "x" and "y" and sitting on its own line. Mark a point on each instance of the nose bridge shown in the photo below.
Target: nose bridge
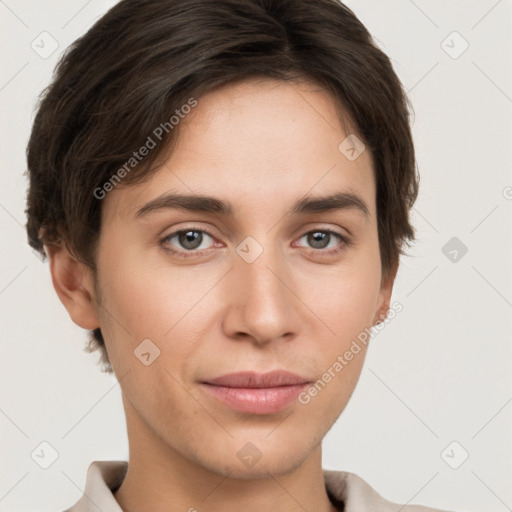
{"x": 260, "y": 268}
{"x": 264, "y": 300}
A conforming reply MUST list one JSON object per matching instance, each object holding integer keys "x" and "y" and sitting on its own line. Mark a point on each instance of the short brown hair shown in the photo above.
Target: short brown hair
{"x": 144, "y": 59}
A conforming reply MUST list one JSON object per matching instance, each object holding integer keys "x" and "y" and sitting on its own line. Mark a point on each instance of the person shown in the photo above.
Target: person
{"x": 222, "y": 189}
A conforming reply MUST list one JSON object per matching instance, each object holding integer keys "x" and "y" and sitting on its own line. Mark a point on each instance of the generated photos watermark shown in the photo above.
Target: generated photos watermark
{"x": 151, "y": 142}
{"x": 343, "y": 360}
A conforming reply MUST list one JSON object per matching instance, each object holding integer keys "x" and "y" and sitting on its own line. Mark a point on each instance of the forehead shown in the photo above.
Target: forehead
{"x": 258, "y": 143}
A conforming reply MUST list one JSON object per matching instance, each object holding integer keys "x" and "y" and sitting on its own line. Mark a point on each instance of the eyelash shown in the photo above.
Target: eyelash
{"x": 345, "y": 241}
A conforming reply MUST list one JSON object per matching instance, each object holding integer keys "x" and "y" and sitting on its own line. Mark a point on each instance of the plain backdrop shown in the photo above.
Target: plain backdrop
{"x": 436, "y": 386}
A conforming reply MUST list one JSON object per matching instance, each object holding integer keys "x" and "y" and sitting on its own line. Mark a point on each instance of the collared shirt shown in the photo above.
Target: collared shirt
{"x": 347, "y": 491}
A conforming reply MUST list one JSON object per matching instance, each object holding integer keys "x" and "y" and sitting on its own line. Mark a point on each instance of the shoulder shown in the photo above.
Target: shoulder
{"x": 359, "y": 496}
{"x": 103, "y": 477}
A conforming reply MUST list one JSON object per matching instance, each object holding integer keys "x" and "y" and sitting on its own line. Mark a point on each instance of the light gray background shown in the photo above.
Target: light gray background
{"x": 439, "y": 372}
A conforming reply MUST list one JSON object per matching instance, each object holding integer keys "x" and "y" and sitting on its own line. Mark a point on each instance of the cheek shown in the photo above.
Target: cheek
{"x": 147, "y": 294}
{"x": 345, "y": 302}
{"x": 153, "y": 301}
{"x": 345, "y": 298}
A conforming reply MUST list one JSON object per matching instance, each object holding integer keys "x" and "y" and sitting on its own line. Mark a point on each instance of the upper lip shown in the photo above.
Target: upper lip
{"x": 258, "y": 380}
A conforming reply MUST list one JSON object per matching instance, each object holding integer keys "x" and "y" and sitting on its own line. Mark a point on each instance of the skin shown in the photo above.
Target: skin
{"x": 262, "y": 145}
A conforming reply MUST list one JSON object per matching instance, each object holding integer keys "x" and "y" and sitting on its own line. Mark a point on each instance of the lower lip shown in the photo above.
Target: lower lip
{"x": 256, "y": 400}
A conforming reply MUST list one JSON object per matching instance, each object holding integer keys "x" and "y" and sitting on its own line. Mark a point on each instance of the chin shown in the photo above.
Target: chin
{"x": 268, "y": 464}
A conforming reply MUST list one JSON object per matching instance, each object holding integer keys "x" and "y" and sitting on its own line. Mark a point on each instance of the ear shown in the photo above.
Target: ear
{"x": 73, "y": 281}
{"x": 386, "y": 288}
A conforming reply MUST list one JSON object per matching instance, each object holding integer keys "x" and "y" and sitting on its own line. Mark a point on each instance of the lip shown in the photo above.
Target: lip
{"x": 256, "y": 393}
{"x": 271, "y": 379}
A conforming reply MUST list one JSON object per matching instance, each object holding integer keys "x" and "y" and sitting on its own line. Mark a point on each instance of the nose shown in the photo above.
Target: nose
{"x": 263, "y": 306}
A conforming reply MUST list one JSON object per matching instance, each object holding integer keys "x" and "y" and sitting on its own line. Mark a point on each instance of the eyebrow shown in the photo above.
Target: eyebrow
{"x": 209, "y": 204}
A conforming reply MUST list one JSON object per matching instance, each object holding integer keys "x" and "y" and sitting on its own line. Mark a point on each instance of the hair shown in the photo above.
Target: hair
{"x": 144, "y": 60}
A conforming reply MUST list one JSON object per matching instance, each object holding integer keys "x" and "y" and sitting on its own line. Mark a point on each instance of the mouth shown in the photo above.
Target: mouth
{"x": 256, "y": 393}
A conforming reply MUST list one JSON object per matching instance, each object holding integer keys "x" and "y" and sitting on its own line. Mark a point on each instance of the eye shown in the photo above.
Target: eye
{"x": 319, "y": 239}
{"x": 188, "y": 239}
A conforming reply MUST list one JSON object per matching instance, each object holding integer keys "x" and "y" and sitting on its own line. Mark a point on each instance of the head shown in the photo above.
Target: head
{"x": 267, "y": 108}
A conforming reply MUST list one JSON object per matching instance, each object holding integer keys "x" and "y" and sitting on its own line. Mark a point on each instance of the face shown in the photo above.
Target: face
{"x": 260, "y": 289}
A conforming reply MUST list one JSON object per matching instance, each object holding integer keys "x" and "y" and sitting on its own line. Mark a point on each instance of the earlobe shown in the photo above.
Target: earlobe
{"x": 73, "y": 282}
